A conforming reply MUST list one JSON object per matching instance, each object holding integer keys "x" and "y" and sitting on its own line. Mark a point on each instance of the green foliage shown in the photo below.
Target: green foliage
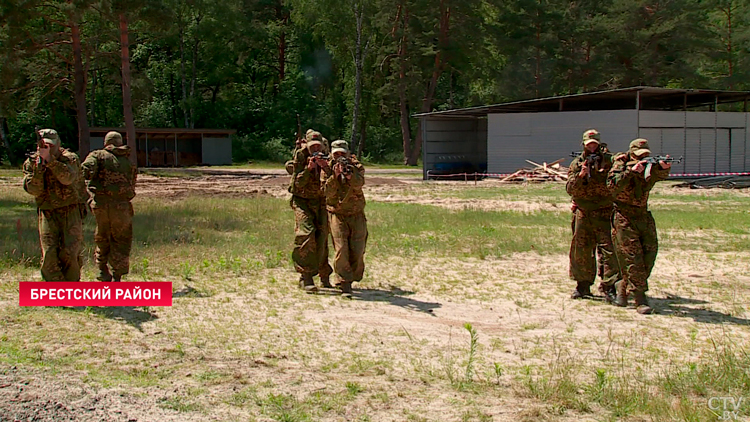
{"x": 252, "y": 66}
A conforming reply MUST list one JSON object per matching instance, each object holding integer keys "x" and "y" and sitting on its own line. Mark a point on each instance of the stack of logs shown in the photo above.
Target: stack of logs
{"x": 545, "y": 172}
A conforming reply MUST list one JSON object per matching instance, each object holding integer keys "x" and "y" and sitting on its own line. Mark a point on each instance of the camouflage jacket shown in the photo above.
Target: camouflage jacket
{"x": 590, "y": 193}
{"x": 305, "y": 183}
{"x": 629, "y": 188}
{"x": 55, "y": 184}
{"x": 344, "y": 196}
{"x": 112, "y": 176}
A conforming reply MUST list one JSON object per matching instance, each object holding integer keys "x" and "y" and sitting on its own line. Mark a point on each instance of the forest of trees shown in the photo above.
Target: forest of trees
{"x": 353, "y": 69}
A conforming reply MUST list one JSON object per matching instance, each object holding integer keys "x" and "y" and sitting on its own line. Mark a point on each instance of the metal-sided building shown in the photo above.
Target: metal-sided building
{"x": 175, "y": 147}
{"x": 498, "y": 139}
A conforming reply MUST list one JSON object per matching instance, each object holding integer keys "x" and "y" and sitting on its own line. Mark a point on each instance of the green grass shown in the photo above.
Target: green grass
{"x": 239, "y": 320}
{"x": 679, "y": 389}
{"x": 233, "y": 235}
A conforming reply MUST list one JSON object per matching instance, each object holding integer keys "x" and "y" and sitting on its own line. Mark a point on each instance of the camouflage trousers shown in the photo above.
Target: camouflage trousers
{"x": 636, "y": 244}
{"x": 349, "y": 234}
{"x": 310, "y": 254}
{"x": 591, "y": 237}
{"x": 61, "y": 236}
{"x": 113, "y": 236}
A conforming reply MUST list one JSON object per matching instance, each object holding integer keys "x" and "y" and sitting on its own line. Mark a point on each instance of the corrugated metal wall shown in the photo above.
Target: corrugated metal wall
{"x": 455, "y": 143}
{"x": 546, "y": 137}
{"x": 709, "y": 142}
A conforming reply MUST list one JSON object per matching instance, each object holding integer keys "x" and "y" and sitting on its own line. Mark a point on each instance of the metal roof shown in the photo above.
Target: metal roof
{"x": 637, "y": 97}
{"x": 155, "y": 133}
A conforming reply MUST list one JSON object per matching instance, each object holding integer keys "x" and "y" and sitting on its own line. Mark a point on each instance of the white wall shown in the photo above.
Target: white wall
{"x": 546, "y": 137}
{"x": 709, "y": 142}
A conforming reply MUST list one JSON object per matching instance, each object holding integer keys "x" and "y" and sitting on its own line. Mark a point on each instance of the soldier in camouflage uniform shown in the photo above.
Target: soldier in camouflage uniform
{"x": 310, "y": 255}
{"x": 112, "y": 182}
{"x": 592, "y": 213}
{"x": 345, "y": 202}
{"x": 301, "y": 144}
{"x": 633, "y": 227}
{"x": 52, "y": 175}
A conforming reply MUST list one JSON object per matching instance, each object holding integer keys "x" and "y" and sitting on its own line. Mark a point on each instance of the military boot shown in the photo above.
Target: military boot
{"x": 346, "y": 288}
{"x": 116, "y": 276}
{"x": 621, "y": 299}
{"x": 306, "y": 283}
{"x": 326, "y": 282}
{"x": 641, "y": 303}
{"x": 581, "y": 291}
{"x": 609, "y": 292}
{"x": 104, "y": 274}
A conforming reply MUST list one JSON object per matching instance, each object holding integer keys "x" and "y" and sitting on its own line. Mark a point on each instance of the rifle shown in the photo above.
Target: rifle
{"x": 319, "y": 156}
{"x": 298, "y": 142}
{"x": 592, "y": 160}
{"x": 346, "y": 166}
{"x": 651, "y": 160}
{"x": 39, "y": 144}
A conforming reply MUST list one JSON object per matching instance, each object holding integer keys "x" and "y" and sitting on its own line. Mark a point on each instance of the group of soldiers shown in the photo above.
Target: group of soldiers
{"x": 327, "y": 198}
{"x": 56, "y": 178}
{"x": 609, "y": 194}
{"x": 611, "y": 220}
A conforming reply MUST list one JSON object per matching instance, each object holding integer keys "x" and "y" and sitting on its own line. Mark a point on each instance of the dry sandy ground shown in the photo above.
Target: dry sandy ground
{"x": 401, "y": 338}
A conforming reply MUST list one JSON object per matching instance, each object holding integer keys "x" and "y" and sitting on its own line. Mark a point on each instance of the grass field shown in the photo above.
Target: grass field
{"x": 464, "y": 315}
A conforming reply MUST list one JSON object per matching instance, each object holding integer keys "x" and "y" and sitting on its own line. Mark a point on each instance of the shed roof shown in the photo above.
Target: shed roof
{"x": 640, "y": 97}
{"x": 165, "y": 132}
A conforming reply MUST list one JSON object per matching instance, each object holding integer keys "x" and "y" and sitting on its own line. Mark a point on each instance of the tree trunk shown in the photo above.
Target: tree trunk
{"x": 92, "y": 97}
{"x": 730, "y": 47}
{"x": 84, "y": 143}
{"x": 429, "y": 97}
{"x": 358, "y": 65}
{"x": 182, "y": 74}
{"x": 193, "y": 78}
{"x": 4, "y": 137}
{"x": 215, "y": 93}
{"x": 402, "y": 15}
{"x": 283, "y": 17}
{"x": 194, "y": 73}
{"x": 127, "y": 104}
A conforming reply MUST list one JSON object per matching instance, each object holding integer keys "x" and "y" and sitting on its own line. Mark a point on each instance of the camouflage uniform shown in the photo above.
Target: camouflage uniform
{"x": 345, "y": 202}
{"x": 591, "y": 223}
{"x": 633, "y": 226}
{"x": 309, "y": 135}
{"x": 112, "y": 183}
{"x": 54, "y": 186}
{"x": 310, "y": 253}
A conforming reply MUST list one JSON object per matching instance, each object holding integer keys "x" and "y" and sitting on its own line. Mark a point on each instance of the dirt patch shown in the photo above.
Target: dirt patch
{"x": 474, "y": 204}
{"x": 35, "y": 397}
{"x": 228, "y": 186}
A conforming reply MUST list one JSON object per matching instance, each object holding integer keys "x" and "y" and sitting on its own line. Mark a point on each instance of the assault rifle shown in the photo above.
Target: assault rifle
{"x": 592, "y": 160}
{"x": 346, "y": 166}
{"x": 319, "y": 156}
{"x": 651, "y": 160}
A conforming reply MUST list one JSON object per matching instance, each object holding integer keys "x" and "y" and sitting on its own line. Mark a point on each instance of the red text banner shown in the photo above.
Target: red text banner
{"x": 95, "y": 294}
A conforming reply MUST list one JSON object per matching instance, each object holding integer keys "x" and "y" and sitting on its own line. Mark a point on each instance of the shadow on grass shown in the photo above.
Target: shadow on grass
{"x": 129, "y": 314}
{"x": 395, "y": 297}
{"x": 189, "y": 291}
{"x": 671, "y": 306}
